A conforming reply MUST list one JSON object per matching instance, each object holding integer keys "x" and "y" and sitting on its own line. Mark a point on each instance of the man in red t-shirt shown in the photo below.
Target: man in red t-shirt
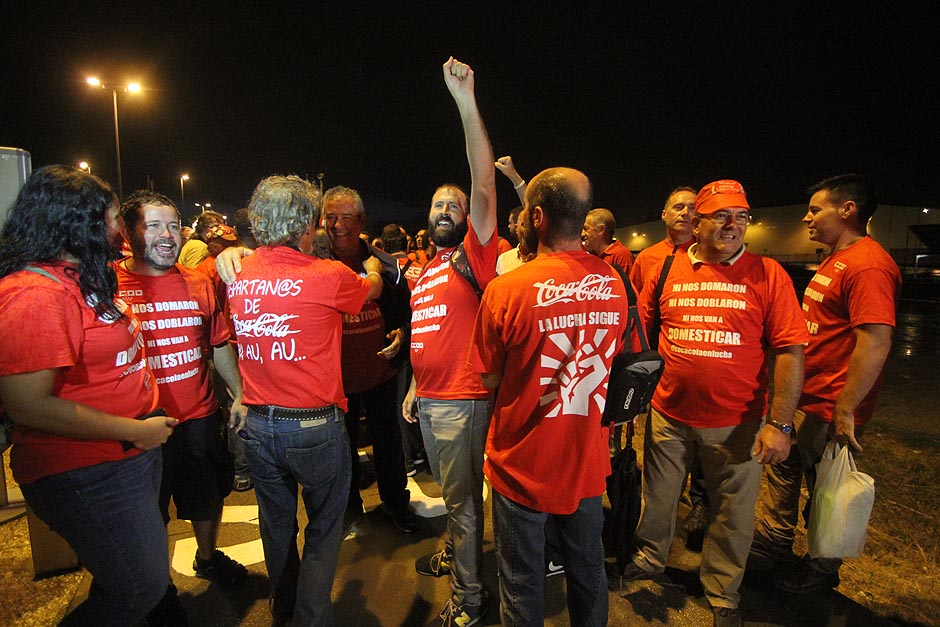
{"x": 446, "y": 397}
{"x": 849, "y": 307}
{"x": 372, "y": 339}
{"x": 725, "y": 313}
{"x": 677, "y": 216}
{"x": 545, "y": 335}
{"x": 598, "y": 238}
{"x": 287, "y": 307}
{"x": 181, "y": 320}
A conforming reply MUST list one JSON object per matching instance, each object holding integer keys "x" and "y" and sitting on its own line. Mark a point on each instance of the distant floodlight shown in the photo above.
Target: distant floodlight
{"x": 134, "y": 87}
{"x": 94, "y": 82}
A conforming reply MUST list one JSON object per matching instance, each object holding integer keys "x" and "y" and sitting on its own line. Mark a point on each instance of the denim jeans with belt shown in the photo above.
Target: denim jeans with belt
{"x": 109, "y": 515}
{"x": 455, "y": 434}
{"x": 314, "y": 454}
{"x": 520, "y": 554}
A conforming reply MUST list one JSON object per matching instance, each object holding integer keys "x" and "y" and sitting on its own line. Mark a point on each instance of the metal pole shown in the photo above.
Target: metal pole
{"x": 117, "y": 145}
{"x": 182, "y": 194}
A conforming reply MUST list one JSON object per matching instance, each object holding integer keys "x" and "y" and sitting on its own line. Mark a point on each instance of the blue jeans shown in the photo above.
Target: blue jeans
{"x": 520, "y": 554}
{"x": 314, "y": 454}
{"x": 454, "y": 435}
{"x": 109, "y": 515}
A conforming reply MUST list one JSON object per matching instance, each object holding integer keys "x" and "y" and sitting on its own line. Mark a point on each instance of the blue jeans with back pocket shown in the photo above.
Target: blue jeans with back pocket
{"x": 313, "y": 454}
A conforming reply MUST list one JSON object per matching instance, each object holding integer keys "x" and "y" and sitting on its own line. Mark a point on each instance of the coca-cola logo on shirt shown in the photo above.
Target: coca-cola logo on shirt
{"x": 590, "y": 287}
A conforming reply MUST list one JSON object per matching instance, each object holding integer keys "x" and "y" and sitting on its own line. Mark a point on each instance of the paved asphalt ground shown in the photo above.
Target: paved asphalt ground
{"x": 376, "y": 584}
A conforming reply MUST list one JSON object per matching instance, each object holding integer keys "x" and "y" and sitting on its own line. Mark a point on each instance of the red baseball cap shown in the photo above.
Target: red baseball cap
{"x": 723, "y": 194}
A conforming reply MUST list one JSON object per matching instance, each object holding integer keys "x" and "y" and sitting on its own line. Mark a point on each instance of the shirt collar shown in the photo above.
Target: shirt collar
{"x": 693, "y": 249}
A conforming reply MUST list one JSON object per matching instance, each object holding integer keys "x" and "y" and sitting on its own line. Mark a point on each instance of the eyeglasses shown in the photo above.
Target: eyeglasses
{"x": 721, "y": 217}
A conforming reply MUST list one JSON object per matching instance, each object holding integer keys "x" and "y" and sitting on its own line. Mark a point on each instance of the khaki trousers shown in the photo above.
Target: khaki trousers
{"x": 732, "y": 480}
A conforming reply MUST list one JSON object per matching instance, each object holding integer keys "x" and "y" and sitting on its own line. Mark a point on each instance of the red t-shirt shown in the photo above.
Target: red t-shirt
{"x": 443, "y": 307}
{"x": 857, "y": 285}
{"x": 411, "y": 267}
{"x": 552, "y": 327}
{"x": 363, "y": 338}
{"x": 181, "y": 322}
{"x": 648, "y": 258}
{"x": 45, "y": 325}
{"x": 287, "y": 309}
{"x": 719, "y": 322}
{"x": 618, "y": 255}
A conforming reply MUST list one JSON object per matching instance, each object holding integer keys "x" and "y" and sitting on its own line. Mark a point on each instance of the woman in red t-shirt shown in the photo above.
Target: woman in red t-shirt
{"x": 73, "y": 378}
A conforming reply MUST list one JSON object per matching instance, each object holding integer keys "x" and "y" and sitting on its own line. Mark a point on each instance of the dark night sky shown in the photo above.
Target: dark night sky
{"x": 640, "y": 98}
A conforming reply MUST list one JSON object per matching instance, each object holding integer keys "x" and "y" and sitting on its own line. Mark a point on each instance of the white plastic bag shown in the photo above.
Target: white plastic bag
{"x": 842, "y": 502}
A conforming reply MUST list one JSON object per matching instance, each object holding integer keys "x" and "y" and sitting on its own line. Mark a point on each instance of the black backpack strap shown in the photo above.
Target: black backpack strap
{"x": 657, "y": 320}
{"x": 461, "y": 264}
{"x": 633, "y": 314}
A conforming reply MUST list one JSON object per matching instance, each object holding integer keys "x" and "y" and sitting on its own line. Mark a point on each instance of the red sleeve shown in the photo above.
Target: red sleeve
{"x": 784, "y": 324}
{"x": 351, "y": 289}
{"x": 872, "y": 295}
{"x": 32, "y": 342}
{"x": 487, "y": 349}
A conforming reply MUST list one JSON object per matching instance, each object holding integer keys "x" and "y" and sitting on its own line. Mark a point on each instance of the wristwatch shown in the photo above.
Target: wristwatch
{"x": 785, "y": 428}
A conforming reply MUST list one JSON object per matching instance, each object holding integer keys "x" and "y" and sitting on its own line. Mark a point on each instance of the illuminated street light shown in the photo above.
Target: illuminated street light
{"x": 203, "y": 208}
{"x": 132, "y": 87}
{"x": 183, "y": 178}
{"x": 85, "y": 166}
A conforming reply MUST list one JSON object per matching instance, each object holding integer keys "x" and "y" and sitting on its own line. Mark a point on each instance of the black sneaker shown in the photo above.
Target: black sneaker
{"x": 457, "y": 614}
{"x": 632, "y": 572}
{"x": 242, "y": 482}
{"x": 403, "y": 517}
{"x": 281, "y": 617}
{"x": 221, "y": 569}
{"x": 803, "y": 578}
{"x": 697, "y": 520}
{"x": 410, "y": 470}
{"x": 168, "y": 612}
{"x": 552, "y": 568}
{"x": 765, "y": 554}
{"x": 434, "y": 564}
{"x": 726, "y": 617}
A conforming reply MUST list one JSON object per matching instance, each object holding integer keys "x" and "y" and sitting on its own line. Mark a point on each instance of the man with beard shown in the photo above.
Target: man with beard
{"x": 181, "y": 319}
{"x": 552, "y": 377}
{"x": 372, "y": 338}
{"x": 446, "y": 397}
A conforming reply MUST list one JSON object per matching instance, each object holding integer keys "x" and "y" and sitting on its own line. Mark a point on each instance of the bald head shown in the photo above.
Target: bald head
{"x": 564, "y": 196}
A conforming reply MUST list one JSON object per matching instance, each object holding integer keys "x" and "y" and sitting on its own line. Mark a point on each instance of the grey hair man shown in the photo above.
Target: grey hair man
{"x": 286, "y": 308}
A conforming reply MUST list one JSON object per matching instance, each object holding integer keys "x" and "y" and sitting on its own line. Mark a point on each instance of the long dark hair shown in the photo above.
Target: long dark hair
{"x": 61, "y": 210}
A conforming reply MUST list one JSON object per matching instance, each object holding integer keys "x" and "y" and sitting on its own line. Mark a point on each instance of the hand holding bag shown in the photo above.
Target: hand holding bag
{"x": 841, "y": 506}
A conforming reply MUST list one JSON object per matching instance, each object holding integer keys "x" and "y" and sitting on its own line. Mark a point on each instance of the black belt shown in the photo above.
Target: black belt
{"x": 289, "y": 413}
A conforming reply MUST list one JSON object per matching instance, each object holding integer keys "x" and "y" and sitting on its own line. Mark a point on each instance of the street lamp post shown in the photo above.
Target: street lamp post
{"x": 85, "y": 166}
{"x": 131, "y": 87}
{"x": 183, "y": 178}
